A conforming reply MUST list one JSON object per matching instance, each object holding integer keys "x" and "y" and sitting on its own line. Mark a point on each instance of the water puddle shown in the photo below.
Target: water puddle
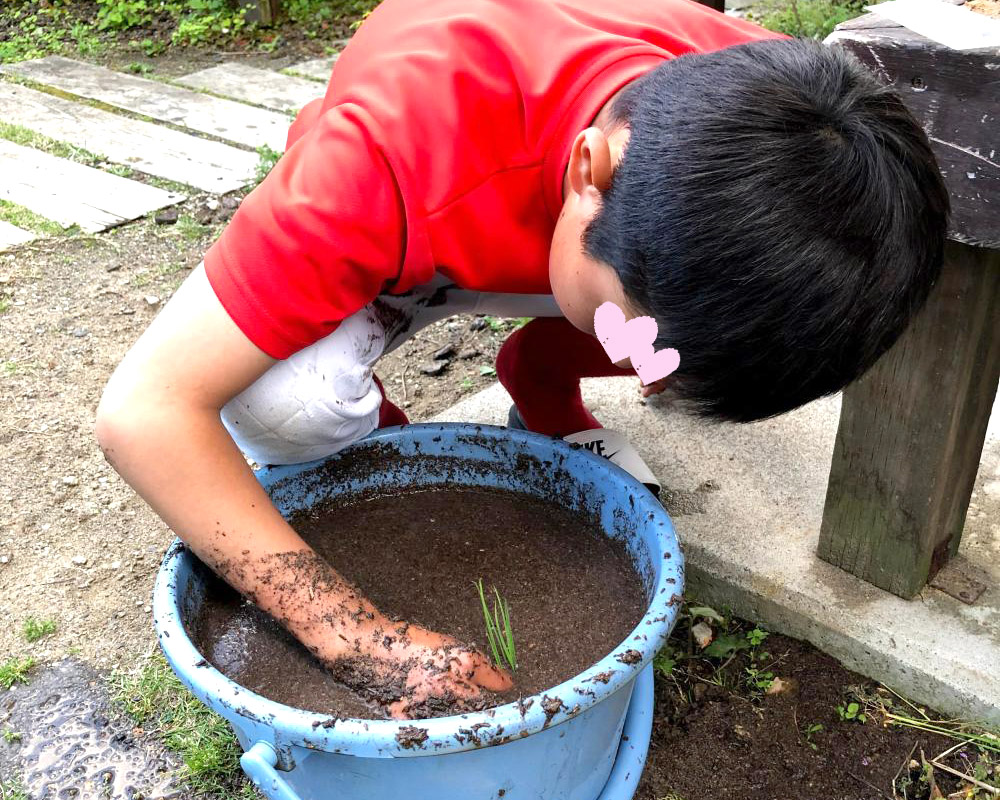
{"x": 75, "y": 744}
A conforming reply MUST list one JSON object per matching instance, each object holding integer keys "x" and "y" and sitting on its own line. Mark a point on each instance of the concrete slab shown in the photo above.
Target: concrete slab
{"x": 747, "y": 502}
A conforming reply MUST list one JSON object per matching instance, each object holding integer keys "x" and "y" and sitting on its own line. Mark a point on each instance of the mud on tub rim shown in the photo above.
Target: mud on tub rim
{"x": 460, "y": 732}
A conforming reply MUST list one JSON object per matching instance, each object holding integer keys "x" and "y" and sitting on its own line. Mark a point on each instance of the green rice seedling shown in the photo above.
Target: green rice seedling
{"x": 498, "y": 628}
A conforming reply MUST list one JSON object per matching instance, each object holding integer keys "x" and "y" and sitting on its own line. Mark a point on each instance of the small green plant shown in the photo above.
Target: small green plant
{"x": 487, "y": 370}
{"x": 466, "y": 383}
{"x": 12, "y": 790}
{"x": 15, "y": 670}
{"x": 155, "y": 698}
{"x": 813, "y": 19}
{"x": 664, "y": 662}
{"x": 138, "y": 68}
{"x": 35, "y": 629}
{"x": 811, "y": 730}
{"x": 10, "y": 736}
{"x": 498, "y": 628}
{"x": 268, "y": 157}
{"x": 851, "y": 712}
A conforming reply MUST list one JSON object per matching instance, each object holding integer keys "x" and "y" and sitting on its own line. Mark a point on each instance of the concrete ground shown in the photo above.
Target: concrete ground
{"x": 747, "y": 503}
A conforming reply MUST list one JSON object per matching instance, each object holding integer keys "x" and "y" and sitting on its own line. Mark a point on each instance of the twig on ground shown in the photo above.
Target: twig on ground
{"x": 950, "y": 750}
{"x": 991, "y": 789}
{"x": 904, "y": 765}
{"x": 869, "y": 784}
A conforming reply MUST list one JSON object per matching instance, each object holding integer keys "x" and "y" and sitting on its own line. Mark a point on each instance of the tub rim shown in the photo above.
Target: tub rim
{"x": 456, "y": 733}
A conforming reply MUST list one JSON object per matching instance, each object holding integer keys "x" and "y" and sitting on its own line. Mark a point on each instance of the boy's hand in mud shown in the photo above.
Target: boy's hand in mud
{"x": 416, "y": 673}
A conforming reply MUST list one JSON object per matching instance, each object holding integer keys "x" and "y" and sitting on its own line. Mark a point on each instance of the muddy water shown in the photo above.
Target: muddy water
{"x": 573, "y": 593}
{"x": 75, "y": 744}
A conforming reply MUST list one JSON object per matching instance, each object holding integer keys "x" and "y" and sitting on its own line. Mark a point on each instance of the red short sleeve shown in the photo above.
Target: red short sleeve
{"x": 316, "y": 241}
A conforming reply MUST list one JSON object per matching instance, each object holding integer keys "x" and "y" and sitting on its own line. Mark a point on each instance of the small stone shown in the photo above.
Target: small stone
{"x": 4, "y": 559}
{"x": 147, "y": 609}
{"x": 444, "y": 353}
{"x": 477, "y": 324}
{"x": 166, "y": 216}
{"x": 434, "y": 368}
{"x": 204, "y": 216}
{"x": 230, "y": 202}
{"x": 151, "y": 300}
{"x": 79, "y": 560}
{"x": 89, "y": 509}
{"x": 70, "y": 480}
{"x": 79, "y": 333}
{"x": 470, "y": 353}
{"x": 116, "y": 565}
{"x": 113, "y": 267}
{"x": 212, "y": 204}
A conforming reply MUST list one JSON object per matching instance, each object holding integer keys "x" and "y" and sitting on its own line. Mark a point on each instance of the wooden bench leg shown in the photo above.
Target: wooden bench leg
{"x": 911, "y": 434}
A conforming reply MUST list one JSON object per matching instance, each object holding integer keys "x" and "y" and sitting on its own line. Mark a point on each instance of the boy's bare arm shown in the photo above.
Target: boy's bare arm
{"x": 159, "y": 426}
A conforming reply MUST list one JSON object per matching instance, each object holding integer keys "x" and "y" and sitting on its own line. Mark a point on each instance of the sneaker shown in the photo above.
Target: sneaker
{"x": 605, "y": 443}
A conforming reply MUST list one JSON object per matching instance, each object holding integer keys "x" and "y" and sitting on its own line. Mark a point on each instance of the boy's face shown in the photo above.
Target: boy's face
{"x": 580, "y": 284}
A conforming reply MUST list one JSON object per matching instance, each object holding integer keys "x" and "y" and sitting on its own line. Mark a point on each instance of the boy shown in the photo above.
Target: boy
{"x": 777, "y": 212}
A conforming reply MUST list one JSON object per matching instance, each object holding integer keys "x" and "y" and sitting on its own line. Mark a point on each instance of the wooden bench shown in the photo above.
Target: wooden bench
{"x": 912, "y": 430}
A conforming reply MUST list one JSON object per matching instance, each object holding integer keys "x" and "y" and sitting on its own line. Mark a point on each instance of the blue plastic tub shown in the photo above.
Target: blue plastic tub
{"x": 515, "y": 751}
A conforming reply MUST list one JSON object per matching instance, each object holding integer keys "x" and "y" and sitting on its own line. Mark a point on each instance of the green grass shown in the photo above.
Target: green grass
{"x": 154, "y": 697}
{"x": 498, "y": 628}
{"x": 267, "y": 159}
{"x": 35, "y": 629}
{"x": 28, "y": 220}
{"x": 4, "y": 307}
{"x": 28, "y": 138}
{"x": 813, "y": 19}
{"x": 12, "y": 790}
{"x": 15, "y": 670}
{"x": 10, "y": 736}
{"x": 188, "y": 227}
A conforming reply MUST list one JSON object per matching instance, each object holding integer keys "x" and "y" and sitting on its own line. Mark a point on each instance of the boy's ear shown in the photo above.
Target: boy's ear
{"x": 590, "y": 162}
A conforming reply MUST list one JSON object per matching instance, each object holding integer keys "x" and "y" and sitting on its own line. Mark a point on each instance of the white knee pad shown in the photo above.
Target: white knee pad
{"x": 314, "y": 403}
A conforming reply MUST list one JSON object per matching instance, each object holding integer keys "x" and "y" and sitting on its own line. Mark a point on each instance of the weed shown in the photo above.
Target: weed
{"x": 28, "y": 138}
{"x": 806, "y": 18}
{"x": 10, "y": 736}
{"x": 12, "y": 790}
{"x": 811, "y": 730}
{"x": 4, "y": 308}
{"x": 466, "y": 383}
{"x": 487, "y": 370}
{"x": 35, "y": 629}
{"x": 15, "y": 670}
{"x": 156, "y": 699}
{"x": 498, "y": 628}
{"x": 188, "y": 227}
{"x": 851, "y": 712}
{"x": 121, "y": 170}
{"x": 267, "y": 159}
{"x": 28, "y": 220}
{"x": 138, "y": 68}
{"x": 664, "y": 662}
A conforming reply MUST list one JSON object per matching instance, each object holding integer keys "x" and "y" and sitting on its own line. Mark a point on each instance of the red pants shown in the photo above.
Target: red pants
{"x": 541, "y": 365}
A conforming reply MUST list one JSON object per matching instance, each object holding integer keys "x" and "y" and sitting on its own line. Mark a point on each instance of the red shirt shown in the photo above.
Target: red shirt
{"x": 440, "y": 145}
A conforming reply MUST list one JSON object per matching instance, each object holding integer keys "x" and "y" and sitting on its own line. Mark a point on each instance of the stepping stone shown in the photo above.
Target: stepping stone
{"x": 226, "y": 119}
{"x": 153, "y": 149}
{"x": 74, "y": 194}
{"x": 318, "y": 69}
{"x": 252, "y": 85}
{"x": 11, "y": 235}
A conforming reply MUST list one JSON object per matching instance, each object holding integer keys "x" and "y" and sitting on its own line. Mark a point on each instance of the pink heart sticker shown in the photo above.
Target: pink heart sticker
{"x": 652, "y": 366}
{"x": 634, "y": 340}
{"x": 618, "y": 337}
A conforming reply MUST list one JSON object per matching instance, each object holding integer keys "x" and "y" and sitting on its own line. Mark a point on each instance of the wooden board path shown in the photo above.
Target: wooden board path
{"x": 153, "y": 149}
{"x": 11, "y": 235}
{"x": 261, "y": 86}
{"x": 225, "y": 119}
{"x": 318, "y": 69}
{"x": 74, "y": 194}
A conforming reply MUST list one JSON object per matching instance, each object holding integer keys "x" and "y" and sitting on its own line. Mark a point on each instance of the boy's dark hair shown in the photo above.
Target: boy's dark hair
{"x": 779, "y": 213}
